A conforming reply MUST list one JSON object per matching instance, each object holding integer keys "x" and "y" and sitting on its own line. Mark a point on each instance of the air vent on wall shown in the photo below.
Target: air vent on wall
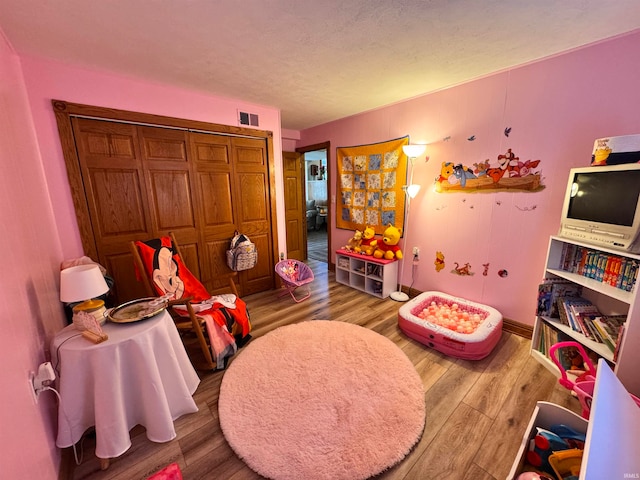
{"x": 245, "y": 118}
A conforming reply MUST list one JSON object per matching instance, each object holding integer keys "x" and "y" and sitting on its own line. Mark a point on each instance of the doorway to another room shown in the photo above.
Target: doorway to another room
{"x": 317, "y": 204}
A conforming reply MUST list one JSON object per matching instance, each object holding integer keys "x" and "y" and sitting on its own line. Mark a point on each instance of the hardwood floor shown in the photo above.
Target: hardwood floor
{"x": 317, "y": 248}
{"x": 477, "y": 411}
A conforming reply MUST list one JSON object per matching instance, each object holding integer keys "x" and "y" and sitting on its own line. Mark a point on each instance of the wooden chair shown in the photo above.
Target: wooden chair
{"x": 192, "y": 324}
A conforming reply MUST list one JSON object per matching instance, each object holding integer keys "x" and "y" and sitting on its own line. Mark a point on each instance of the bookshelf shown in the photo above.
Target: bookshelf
{"x": 607, "y": 279}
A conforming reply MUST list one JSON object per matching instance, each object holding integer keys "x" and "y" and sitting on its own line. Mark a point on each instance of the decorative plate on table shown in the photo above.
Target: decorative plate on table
{"x": 137, "y": 310}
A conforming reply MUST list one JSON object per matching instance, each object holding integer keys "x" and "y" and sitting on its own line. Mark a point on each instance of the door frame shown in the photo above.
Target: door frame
{"x": 311, "y": 148}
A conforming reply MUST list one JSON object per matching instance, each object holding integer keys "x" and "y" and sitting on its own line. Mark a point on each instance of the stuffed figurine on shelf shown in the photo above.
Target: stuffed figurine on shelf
{"x": 368, "y": 244}
{"x": 389, "y": 248}
{"x": 354, "y": 242}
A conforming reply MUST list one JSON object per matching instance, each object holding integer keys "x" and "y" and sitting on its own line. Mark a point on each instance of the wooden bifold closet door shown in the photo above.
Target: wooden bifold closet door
{"x": 133, "y": 181}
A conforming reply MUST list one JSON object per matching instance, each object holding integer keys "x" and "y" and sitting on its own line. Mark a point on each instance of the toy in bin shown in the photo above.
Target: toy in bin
{"x": 543, "y": 445}
{"x": 566, "y": 464}
{"x": 546, "y": 451}
{"x": 584, "y": 385}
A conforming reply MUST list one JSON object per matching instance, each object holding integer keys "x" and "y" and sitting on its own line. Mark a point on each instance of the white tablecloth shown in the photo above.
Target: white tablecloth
{"x": 140, "y": 375}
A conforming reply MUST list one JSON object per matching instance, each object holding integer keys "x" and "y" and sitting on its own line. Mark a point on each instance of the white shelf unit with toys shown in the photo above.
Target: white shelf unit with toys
{"x": 611, "y": 449}
{"x": 374, "y": 276}
{"x": 613, "y": 292}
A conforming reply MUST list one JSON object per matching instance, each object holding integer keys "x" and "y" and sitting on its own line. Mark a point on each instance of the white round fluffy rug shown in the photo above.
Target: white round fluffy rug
{"x": 321, "y": 400}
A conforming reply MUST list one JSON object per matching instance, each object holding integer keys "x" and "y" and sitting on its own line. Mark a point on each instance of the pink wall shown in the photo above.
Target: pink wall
{"x": 289, "y": 140}
{"x": 31, "y": 311}
{"x": 46, "y": 80}
{"x": 556, "y": 109}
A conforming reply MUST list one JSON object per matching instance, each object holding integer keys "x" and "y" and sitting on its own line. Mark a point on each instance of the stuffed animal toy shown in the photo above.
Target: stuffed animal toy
{"x": 389, "y": 248}
{"x": 354, "y": 242}
{"x": 369, "y": 242}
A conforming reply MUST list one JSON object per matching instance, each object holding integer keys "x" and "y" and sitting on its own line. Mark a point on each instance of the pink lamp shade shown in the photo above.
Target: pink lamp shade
{"x": 81, "y": 283}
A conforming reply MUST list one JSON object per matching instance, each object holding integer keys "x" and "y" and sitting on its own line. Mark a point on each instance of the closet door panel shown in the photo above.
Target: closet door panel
{"x": 161, "y": 149}
{"x": 212, "y": 166}
{"x": 99, "y": 140}
{"x": 120, "y": 268}
{"x": 263, "y": 269}
{"x": 217, "y": 278}
{"x": 252, "y": 212}
{"x": 118, "y": 203}
{"x": 171, "y": 196}
{"x": 215, "y": 190}
{"x": 113, "y": 179}
{"x": 114, "y": 183}
{"x": 169, "y": 183}
{"x": 191, "y": 257}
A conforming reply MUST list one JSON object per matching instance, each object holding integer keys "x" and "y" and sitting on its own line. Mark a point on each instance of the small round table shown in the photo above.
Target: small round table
{"x": 140, "y": 375}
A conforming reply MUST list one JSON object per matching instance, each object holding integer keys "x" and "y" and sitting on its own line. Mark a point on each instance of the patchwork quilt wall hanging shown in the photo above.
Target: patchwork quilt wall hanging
{"x": 369, "y": 186}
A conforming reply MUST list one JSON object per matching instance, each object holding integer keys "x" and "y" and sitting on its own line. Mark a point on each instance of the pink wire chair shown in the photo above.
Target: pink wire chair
{"x": 294, "y": 274}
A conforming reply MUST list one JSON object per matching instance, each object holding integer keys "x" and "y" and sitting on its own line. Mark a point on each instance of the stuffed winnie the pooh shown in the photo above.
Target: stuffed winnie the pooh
{"x": 389, "y": 248}
{"x": 368, "y": 244}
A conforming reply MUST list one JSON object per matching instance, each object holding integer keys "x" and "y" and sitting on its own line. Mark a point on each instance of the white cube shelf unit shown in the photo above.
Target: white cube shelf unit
{"x": 374, "y": 276}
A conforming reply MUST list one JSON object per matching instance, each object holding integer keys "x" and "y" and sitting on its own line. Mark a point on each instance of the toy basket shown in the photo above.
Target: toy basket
{"x": 584, "y": 384}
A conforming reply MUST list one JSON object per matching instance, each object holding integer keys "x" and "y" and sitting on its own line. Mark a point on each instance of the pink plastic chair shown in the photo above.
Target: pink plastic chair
{"x": 584, "y": 385}
{"x": 295, "y": 274}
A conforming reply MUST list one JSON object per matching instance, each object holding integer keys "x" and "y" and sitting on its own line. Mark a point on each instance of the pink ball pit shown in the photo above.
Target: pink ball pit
{"x": 451, "y": 325}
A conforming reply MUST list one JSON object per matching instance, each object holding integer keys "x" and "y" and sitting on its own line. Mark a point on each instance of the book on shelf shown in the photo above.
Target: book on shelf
{"x": 581, "y": 311}
{"x": 603, "y": 267}
{"x": 583, "y": 317}
{"x": 619, "y": 341}
{"x": 550, "y": 290}
{"x": 589, "y": 321}
{"x": 571, "y": 311}
{"x": 607, "y": 339}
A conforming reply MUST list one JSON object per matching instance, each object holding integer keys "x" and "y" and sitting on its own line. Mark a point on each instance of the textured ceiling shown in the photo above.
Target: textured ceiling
{"x": 316, "y": 61}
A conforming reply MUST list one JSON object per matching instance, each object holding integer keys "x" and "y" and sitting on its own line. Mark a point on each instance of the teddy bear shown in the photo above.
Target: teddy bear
{"x": 354, "y": 242}
{"x": 389, "y": 248}
{"x": 369, "y": 242}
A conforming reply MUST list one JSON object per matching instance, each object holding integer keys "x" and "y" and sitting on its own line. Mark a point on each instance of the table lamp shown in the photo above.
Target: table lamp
{"x": 83, "y": 283}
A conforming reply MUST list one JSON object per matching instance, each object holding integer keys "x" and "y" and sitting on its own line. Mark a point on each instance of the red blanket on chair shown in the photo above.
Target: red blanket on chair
{"x": 225, "y": 316}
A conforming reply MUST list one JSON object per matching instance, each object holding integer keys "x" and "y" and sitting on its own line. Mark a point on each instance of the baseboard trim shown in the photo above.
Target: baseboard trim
{"x": 517, "y": 328}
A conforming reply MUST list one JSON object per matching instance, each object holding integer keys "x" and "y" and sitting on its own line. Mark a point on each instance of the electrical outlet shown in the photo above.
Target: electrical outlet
{"x": 39, "y": 381}
{"x": 416, "y": 251}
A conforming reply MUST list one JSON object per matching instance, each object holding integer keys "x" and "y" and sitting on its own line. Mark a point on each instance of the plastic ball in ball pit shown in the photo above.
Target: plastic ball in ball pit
{"x": 452, "y": 316}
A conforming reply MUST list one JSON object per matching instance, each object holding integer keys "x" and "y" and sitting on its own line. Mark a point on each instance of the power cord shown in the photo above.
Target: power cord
{"x": 414, "y": 267}
{"x": 75, "y": 452}
{"x": 55, "y": 367}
